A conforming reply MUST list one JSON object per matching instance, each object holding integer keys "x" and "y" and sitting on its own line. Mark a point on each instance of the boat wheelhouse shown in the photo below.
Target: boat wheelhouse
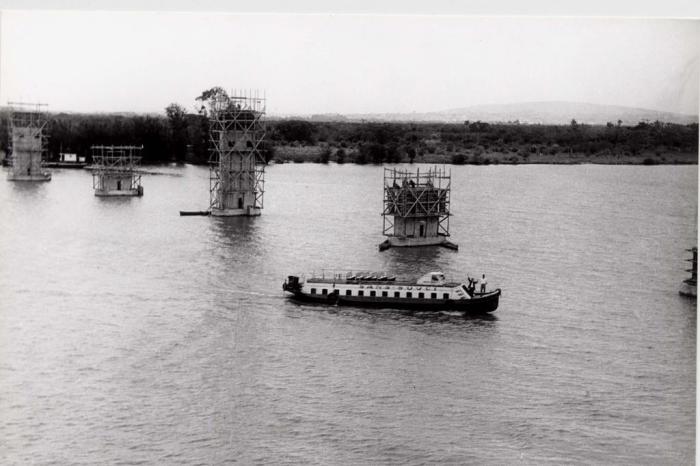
{"x": 431, "y": 292}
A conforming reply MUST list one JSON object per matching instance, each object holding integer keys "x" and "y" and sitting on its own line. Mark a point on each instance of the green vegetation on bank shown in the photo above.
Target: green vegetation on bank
{"x": 183, "y": 137}
{"x": 485, "y": 143}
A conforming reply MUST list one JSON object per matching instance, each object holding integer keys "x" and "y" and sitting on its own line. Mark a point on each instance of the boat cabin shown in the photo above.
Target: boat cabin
{"x": 70, "y": 157}
{"x": 432, "y": 278}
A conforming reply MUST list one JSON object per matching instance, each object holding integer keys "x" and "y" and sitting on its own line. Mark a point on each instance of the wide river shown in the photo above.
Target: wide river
{"x": 131, "y": 335}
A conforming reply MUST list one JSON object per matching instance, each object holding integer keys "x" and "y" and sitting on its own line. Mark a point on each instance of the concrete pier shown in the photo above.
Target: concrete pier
{"x": 416, "y": 208}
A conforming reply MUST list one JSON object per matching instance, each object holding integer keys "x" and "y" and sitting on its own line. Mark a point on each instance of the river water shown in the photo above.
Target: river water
{"x": 131, "y": 335}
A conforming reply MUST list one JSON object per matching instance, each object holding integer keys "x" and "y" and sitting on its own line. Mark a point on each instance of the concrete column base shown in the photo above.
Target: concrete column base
{"x": 249, "y": 212}
{"x": 397, "y": 242}
{"x": 41, "y": 177}
{"x": 119, "y": 193}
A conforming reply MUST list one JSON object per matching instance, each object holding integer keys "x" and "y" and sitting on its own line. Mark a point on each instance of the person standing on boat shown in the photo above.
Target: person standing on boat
{"x": 483, "y": 283}
{"x": 472, "y": 286}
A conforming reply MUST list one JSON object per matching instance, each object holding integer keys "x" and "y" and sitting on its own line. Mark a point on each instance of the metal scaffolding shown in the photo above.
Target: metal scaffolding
{"x": 115, "y": 170}
{"x": 416, "y": 207}
{"x": 237, "y": 165}
{"x": 27, "y": 141}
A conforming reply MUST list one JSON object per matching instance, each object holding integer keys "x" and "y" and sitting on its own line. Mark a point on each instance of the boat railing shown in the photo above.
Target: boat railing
{"x": 350, "y": 275}
{"x": 693, "y": 267}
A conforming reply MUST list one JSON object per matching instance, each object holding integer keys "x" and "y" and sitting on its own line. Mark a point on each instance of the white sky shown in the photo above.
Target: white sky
{"x": 141, "y": 61}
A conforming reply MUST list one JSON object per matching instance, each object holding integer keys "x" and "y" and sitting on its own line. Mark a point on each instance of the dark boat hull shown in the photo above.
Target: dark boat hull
{"x": 486, "y": 303}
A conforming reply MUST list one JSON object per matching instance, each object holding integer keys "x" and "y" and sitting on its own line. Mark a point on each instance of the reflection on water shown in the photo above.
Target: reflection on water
{"x": 411, "y": 261}
{"x": 130, "y": 334}
{"x": 234, "y": 231}
{"x": 27, "y": 188}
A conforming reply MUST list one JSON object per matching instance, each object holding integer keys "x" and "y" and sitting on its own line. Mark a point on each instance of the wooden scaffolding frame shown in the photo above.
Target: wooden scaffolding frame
{"x": 33, "y": 118}
{"x": 231, "y": 167}
{"x": 409, "y": 194}
{"x": 116, "y": 161}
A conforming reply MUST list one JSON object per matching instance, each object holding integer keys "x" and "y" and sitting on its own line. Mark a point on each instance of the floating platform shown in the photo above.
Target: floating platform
{"x": 40, "y": 177}
{"x": 397, "y": 242}
{"x": 248, "y": 212}
{"x": 119, "y": 192}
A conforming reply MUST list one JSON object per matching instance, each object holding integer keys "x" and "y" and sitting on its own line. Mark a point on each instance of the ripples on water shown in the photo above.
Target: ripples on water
{"x": 129, "y": 334}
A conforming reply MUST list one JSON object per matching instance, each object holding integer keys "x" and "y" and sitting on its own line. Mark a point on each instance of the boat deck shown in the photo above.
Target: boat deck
{"x": 378, "y": 281}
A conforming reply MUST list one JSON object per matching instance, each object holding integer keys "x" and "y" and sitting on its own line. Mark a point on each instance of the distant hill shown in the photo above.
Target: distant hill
{"x": 537, "y": 112}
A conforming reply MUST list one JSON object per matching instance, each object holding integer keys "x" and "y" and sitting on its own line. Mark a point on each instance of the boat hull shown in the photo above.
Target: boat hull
{"x": 486, "y": 303}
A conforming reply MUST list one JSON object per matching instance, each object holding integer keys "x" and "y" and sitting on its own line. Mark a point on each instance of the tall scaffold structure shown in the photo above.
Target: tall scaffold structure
{"x": 27, "y": 122}
{"x": 237, "y": 165}
{"x": 416, "y": 208}
{"x": 115, "y": 170}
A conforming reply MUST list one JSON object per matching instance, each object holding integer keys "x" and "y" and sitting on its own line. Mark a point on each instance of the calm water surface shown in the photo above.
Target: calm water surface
{"x": 131, "y": 335}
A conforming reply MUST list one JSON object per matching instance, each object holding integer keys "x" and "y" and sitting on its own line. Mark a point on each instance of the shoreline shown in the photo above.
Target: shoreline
{"x": 325, "y": 154}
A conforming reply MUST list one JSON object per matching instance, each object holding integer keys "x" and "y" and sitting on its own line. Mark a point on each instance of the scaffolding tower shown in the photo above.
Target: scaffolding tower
{"x": 27, "y": 141}
{"x": 416, "y": 208}
{"x": 115, "y": 170}
{"x": 236, "y": 164}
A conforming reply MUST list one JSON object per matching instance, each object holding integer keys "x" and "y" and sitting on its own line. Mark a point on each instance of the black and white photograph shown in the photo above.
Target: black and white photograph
{"x": 325, "y": 235}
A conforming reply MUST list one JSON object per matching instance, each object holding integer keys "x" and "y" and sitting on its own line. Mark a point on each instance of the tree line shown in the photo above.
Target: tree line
{"x": 181, "y": 136}
{"x": 374, "y": 142}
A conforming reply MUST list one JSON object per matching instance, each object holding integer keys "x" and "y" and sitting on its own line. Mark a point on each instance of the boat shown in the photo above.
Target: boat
{"x": 431, "y": 292}
{"x": 689, "y": 287}
{"x": 64, "y": 164}
{"x": 67, "y": 160}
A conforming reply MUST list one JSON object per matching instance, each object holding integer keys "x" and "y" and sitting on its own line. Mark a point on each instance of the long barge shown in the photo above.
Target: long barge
{"x": 431, "y": 292}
